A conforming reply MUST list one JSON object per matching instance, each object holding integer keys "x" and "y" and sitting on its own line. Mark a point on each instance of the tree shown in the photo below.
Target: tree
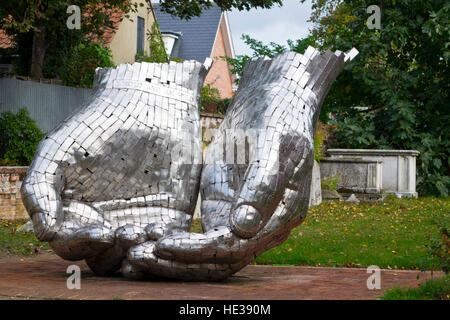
{"x": 47, "y": 20}
{"x": 270, "y": 50}
{"x": 396, "y": 92}
{"x": 80, "y": 65}
{"x": 187, "y": 9}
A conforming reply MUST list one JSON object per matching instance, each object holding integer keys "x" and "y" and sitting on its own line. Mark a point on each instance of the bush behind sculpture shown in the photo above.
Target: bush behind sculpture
{"x": 19, "y": 138}
{"x": 80, "y": 67}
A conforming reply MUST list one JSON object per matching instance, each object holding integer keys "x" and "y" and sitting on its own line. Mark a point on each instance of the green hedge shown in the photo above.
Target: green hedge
{"x": 19, "y": 138}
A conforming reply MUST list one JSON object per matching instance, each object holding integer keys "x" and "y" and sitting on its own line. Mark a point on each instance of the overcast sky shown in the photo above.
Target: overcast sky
{"x": 276, "y": 24}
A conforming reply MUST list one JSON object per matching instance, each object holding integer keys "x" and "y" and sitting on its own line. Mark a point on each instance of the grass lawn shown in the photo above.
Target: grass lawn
{"x": 434, "y": 289}
{"x": 392, "y": 234}
{"x": 20, "y": 243}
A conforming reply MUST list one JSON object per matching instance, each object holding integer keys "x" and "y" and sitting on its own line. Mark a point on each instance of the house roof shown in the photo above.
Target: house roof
{"x": 197, "y": 34}
{"x": 115, "y": 16}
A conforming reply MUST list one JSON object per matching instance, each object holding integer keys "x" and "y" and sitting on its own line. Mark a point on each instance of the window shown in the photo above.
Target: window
{"x": 140, "y": 34}
{"x": 169, "y": 39}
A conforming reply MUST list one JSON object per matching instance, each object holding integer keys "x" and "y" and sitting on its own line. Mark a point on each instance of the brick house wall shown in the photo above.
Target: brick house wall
{"x": 219, "y": 76}
{"x": 11, "y": 207}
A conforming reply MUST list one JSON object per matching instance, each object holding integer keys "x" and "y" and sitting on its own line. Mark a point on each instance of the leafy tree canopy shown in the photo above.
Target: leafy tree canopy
{"x": 187, "y": 9}
{"x": 395, "y": 94}
{"x": 46, "y": 20}
{"x": 270, "y": 50}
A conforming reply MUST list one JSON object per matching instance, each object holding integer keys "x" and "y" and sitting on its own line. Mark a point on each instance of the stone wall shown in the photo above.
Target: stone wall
{"x": 209, "y": 122}
{"x": 11, "y": 206}
{"x": 355, "y": 176}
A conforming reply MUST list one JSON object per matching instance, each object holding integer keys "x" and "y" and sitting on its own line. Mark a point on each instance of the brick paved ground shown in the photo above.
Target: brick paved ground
{"x": 44, "y": 277}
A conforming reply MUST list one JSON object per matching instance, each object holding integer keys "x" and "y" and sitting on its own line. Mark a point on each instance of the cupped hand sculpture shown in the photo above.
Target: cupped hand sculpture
{"x": 116, "y": 183}
{"x": 256, "y": 177}
{"x": 124, "y": 168}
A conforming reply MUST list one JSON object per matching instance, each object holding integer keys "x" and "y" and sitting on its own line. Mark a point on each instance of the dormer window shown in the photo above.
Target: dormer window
{"x": 169, "y": 39}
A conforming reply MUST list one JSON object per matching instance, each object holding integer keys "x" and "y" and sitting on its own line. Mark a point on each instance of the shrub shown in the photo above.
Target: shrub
{"x": 223, "y": 105}
{"x": 433, "y": 289}
{"x": 212, "y": 95}
{"x": 330, "y": 183}
{"x": 320, "y": 138}
{"x": 439, "y": 246}
{"x": 208, "y": 94}
{"x": 80, "y": 66}
{"x": 19, "y": 138}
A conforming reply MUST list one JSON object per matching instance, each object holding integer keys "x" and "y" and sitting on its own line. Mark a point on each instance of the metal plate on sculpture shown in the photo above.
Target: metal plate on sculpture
{"x": 185, "y": 95}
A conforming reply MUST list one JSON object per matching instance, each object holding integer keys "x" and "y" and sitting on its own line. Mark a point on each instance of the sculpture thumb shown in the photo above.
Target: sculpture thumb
{"x": 310, "y": 77}
{"x": 41, "y": 193}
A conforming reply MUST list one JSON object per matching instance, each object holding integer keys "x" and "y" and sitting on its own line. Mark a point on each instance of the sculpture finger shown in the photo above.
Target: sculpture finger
{"x": 142, "y": 262}
{"x": 156, "y": 231}
{"x": 77, "y": 244}
{"x": 109, "y": 261}
{"x": 221, "y": 245}
{"x": 215, "y": 213}
{"x": 218, "y": 245}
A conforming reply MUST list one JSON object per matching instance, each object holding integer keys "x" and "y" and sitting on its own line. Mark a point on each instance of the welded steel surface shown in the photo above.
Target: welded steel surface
{"x": 117, "y": 182}
{"x": 114, "y": 173}
{"x": 256, "y": 178}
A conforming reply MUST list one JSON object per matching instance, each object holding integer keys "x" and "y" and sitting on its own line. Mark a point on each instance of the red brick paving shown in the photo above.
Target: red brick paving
{"x": 44, "y": 277}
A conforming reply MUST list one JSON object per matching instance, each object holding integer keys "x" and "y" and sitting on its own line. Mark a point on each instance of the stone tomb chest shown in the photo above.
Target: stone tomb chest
{"x": 372, "y": 171}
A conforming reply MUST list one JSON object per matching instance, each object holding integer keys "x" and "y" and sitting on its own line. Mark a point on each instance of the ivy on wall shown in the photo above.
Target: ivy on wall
{"x": 157, "y": 50}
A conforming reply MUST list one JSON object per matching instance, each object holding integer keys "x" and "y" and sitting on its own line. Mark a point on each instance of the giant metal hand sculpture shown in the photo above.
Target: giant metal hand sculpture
{"x": 115, "y": 173}
{"x": 250, "y": 206}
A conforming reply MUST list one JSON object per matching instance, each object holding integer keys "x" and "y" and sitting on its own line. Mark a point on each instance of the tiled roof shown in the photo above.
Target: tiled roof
{"x": 115, "y": 17}
{"x": 5, "y": 40}
{"x": 197, "y": 35}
